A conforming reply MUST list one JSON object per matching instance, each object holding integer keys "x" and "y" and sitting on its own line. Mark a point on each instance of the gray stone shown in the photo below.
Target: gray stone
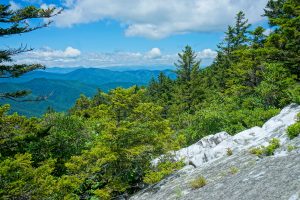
{"x": 242, "y": 176}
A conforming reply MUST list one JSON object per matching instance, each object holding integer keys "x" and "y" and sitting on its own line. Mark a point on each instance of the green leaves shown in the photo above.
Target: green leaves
{"x": 294, "y": 130}
{"x": 19, "y": 179}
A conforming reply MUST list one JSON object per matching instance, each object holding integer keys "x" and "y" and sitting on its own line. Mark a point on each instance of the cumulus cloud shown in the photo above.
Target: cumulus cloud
{"x": 207, "y": 54}
{"x": 157, "y": 18}
{"x": 50, "y": 54}
{"x": 72, "y": 57}
{"x": 154, "y": 53}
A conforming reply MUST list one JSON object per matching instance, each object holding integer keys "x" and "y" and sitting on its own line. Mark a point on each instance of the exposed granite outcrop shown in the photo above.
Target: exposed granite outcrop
{"x": 241, "y": 175}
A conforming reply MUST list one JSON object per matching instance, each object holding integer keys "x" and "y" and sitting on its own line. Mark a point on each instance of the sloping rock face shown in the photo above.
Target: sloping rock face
{"x": 241, "y": 176}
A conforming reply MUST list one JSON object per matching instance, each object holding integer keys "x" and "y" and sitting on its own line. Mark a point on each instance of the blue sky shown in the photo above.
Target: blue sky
{"x": 100, "y": 33}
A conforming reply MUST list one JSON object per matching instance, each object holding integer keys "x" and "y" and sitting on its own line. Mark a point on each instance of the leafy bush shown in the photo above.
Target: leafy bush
{"x": 66, "y": 136}
{"x": 294, "y": 130}
{"x": 229, "y": 152}
{"x": 268, "y": 150}
{"x": 21, "y": 180}
{"x": 258, "y": 151}
{"x": 229, "y": 117}
{"x": 198, "y": 183}
{"x": 291, "y": 148}
{"x": 234, "y": 170}
{"x": 162, "y": 170}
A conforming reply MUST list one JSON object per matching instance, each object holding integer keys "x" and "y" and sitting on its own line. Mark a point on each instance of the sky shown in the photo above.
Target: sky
{"x": 104, "y": 33}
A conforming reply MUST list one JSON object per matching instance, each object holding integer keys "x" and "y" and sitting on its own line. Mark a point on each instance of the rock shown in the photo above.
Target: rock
{"x": 241, "y": 175}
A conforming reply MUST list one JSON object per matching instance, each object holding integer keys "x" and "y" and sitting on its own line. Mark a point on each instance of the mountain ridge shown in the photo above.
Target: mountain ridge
{"x": 67, "y": 87}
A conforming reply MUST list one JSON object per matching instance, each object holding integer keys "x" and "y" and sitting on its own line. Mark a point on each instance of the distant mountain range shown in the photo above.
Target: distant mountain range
{"x": 66, "y": 85}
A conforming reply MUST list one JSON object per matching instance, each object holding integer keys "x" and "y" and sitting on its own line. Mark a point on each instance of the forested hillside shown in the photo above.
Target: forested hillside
{"x": 103, "y": 146}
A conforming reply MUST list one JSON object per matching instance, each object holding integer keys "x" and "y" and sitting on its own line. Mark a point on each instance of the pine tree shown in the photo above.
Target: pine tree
{"x": 16, "y": 22}
{"x": 258, "y": 38}
{"x": 236, "y": 38}
{"x": 284, "y": 16}
{"x": 188, "y": 73}
{"x": 186, "y": 64}
{"x": 240, "y": 31}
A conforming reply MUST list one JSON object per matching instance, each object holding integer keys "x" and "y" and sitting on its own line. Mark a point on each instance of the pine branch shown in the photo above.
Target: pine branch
{"x": 15, "y": 71}
{"x": 5, "y": 55}
{"x": 18, "y": 19}
{"x": 15, "y": 96}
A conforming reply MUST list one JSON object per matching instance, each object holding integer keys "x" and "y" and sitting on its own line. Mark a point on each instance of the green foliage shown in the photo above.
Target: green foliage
{"x": 229, "y": 152}
{"x": 162, "y": 170}
{"x": 20, "y": 180}
{"x": 16, "y": 132}
{"x": 276, "y": 84}
{"x": 268, "y": 150}
{"x": 291, "y": 148}
{"x": 258, "y": 151}
{"x": 294, "y": 130}
{"x": 188, "y": 76}
{"x": 284, "y": 17}
{"x": 104, "y": 146}
{"x": 66, "y": 136}
{"x": 228, "y": 117}
{"x": 198, "y": 183}
{"x": 130, "y": 133}
{"x": 234, "y": 170}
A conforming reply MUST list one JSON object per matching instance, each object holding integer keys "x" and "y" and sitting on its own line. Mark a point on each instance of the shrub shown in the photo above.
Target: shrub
{"x": 198, "y": 183}
{"x": 290, "y": 148}
{"x": 258, "y": 151}
{"x": 162, "y": 170}
{"x": 234, "y": 170}
{"x": 293, "y": 130}
{"x": 268, "y": 150}
{"x": 229, "y": 152}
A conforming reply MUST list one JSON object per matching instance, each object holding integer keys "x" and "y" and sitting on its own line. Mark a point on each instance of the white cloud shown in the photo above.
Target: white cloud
{"x": 50, "y": 54}
{"x": 207, "y": 54}
{"x": 14, "y": 5}
{"x": 72, "y": 57}
{"x": 157, "y": 18}
{"x": 71, "y": 52}
{"x": 154, "y": 53}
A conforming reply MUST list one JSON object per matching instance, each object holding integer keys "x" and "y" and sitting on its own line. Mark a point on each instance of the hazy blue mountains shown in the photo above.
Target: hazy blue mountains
{"x": 66, "y": 85}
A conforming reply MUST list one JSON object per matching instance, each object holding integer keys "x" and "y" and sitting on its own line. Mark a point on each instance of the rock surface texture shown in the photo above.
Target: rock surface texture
{"x": 242, "y": 175}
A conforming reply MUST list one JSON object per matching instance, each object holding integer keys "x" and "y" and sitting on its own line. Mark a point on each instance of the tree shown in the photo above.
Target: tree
{"x": 161, "y": 91}
{"x": 236, "y": 38}
{"x": 16, "y": 22}
{"x": 240, "y": 31}
{"x": 186, "y": 64}
{"x": 258, "y": 38}
{"x": 134, "y": 133}
{"x": 284, "y": 16}
{"x": 188, "y": 73}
